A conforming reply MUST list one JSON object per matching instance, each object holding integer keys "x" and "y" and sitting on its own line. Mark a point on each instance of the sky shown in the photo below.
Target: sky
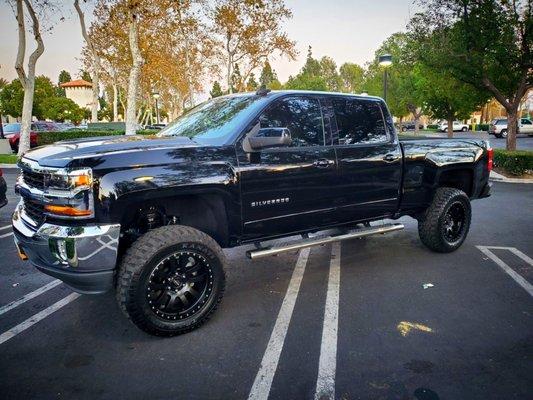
{"x": 346, "y": 30}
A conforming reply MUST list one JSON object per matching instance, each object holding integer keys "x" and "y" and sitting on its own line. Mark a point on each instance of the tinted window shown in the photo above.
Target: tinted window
{"x": 359, "y": 121}
{"x": 526, "y": 122}
{"x": 501, "y": 122}
{"x": 302, "y": 116}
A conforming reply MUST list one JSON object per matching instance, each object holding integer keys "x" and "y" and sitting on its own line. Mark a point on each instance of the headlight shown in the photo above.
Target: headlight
{"x": 69, "y": 193}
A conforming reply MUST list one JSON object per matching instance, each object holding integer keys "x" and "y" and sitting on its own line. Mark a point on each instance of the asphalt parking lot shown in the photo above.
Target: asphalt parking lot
{"x": 375, "y": 318}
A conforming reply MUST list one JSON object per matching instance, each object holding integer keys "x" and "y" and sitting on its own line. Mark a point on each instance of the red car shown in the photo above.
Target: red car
{"x": 12, "y": 132}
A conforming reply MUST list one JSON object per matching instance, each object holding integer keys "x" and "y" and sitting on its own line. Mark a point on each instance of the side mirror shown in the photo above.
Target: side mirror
{"x": 270, "y": 137}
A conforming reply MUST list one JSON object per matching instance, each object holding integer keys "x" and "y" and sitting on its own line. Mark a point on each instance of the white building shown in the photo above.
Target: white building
{"x": 80, "y": 92}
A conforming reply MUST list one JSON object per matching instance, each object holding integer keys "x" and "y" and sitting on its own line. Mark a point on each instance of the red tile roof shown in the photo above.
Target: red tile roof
{"x": 77, "y": 83}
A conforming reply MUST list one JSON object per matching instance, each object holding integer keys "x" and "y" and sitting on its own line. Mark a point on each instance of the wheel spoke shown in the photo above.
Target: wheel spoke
{"x": 183, "y": 299}
{"x": 196, "y": 278}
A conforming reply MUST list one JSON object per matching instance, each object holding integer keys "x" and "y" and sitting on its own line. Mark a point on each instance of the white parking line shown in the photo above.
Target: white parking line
{"x": 507, "y": 269}
{"x": 4, "y": 227}
{"x": 29, "y": 296}
{"x": 6, "y": 235}
{"x": 263, "y": 380}
{"x": 327, "y": 366}
{"x": 4, "y": 337}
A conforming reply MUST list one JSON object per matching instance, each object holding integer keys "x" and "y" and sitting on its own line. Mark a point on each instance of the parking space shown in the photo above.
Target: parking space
{"x": 374, "y": 318}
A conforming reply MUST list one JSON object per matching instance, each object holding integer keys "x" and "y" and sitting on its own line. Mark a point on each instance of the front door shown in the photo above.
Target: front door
{"x": 369, "y": 158}
{"x": 289, "y": 189}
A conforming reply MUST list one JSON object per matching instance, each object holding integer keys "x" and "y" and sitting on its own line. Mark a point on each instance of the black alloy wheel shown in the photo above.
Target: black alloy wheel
{"x": 454, "y": 222}
{"x": 179, "y": 285}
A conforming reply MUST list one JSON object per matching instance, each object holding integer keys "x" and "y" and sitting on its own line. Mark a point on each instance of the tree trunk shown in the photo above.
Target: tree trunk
{"x": 95, "y": 63}
{"x": 450, "y": 127}
{"x": 417, "y": 128}
{"x": 27, "y": 81}
{"x": 512, "y": 129}
{"x": 115, "y": 102}
{"x": 133, "y": 82}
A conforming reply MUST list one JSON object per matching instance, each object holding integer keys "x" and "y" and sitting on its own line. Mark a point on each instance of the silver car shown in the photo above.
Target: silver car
{"x": 498, "y": 127}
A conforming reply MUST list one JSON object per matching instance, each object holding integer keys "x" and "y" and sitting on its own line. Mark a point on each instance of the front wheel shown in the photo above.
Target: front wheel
{"x": 503, "y": 133}
{"x": 464, "y": 129}
{"x": 171, "y": 280}
{"x": 444, "y": 225}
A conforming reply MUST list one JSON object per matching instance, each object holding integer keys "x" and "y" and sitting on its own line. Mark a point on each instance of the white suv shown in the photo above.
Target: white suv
{"x": 457, "y": 126}
{"x": 498, "y": 127}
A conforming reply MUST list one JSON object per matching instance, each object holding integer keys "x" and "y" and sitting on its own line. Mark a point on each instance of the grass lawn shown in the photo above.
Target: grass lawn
{"x": 8, "y": 158}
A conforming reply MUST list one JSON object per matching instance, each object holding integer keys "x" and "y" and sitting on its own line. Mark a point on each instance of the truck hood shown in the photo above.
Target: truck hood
{"x": 88, "y": 151}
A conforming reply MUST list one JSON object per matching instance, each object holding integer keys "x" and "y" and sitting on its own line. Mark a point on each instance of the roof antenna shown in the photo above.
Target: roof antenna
{"x": 262, "y": 91}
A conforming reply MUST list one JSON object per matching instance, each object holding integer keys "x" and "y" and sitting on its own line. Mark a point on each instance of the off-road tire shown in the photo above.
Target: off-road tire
{"x": 431, "y": 224}
{"x": 141, "y": 260}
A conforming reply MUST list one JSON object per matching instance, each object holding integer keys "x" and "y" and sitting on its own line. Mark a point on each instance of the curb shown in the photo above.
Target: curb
{"x": 7, "y": 166}
{"x": 496, "y": 177}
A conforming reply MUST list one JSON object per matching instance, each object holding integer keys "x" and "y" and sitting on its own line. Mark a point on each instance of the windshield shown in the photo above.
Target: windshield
{"x": 214, "y": 121}
{"x": 11, "y": 128}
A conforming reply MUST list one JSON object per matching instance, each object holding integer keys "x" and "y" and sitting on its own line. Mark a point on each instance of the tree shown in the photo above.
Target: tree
{"x": 236, "y": 80}
{"x": 95, "y": 62}
{"x": 310, "y": 76}
{"x": 328, "y": 71}
{"x": 447, "y": 98}
{"x": 64, "y": 76}
{"x": 268, "y": 76}
{"x": 12, "y": 97}
{"x": 252, "y": 84}
{"x": 135, "y": 71}
{"x": 486, "y": 43}
{"x": 61, "y": 109}
{"x": 85, "y": 75}
{"x": 27, "y": 77}
{"x": 351, "y": 76}
{"x": 249, "y": 32}
{"x": 216, "y": 91}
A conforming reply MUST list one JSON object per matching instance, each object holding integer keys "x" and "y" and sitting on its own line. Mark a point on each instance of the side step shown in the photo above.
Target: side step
{"x": 319, "y": 240}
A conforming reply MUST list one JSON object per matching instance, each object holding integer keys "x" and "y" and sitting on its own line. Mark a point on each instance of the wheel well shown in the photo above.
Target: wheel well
{"x": 461, "y": 179}
{"x": 205, "y": 212}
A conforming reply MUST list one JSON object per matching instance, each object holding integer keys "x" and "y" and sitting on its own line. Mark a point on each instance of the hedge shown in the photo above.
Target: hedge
{"x": 514, "y": 162}
{"x": 480, "y": 127}
{"x": 52, "y": 137}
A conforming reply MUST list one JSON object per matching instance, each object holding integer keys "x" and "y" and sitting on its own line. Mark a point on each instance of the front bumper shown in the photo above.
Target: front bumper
{"x": 84, "y": 257}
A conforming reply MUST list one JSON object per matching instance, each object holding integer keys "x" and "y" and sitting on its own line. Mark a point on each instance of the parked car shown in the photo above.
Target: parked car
{"x": 149, "y": 216}
{"x": 155, "y": 126}
{"x": 410, "y": 126}
{"x": 12, "y": 132}
{"x": 3, "y": 190}
{"x": 457, "y": 126}
{"x": 498, "y": 127}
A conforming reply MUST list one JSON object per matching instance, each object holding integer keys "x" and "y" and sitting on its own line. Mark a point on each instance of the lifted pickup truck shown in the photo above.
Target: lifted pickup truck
{"x": 149, "y": 216}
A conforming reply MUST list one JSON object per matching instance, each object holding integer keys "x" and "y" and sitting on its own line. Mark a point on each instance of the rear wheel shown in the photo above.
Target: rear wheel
{"x": 171, "y": 280}
{"x": 445, "y": 224}
{"x": 464, "y": 128}
{"x": 503, "y": 133}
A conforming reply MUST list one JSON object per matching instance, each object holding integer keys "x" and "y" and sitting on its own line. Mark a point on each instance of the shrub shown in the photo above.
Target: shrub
{"x": 433, "y": 126}
{"x": 8, "y": 158}
{"x": 514, "y": 162}
{"x": 480, "y": 127}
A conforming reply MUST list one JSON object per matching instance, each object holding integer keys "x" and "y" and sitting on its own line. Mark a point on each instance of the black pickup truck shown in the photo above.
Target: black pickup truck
{"x": 149, "y": 216}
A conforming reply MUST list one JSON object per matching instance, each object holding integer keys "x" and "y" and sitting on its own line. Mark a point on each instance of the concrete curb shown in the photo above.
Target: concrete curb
{"x": 7, "y": 166}
{"x": 496, "y": 177}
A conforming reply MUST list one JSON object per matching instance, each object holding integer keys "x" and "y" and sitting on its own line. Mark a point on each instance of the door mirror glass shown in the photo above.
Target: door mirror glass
{"x": 270, "y": 137}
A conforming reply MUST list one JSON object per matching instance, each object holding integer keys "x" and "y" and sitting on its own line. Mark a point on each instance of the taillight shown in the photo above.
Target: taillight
{"x": 1, "y": 173}
{"x": 490, "y": 158}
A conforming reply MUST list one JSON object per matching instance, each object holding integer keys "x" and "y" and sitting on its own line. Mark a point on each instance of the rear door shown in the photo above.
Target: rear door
{"x": 289, "y": 189}
{"x": 369, "y": 159}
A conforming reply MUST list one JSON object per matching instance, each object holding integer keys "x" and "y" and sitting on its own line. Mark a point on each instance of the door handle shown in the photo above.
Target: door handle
{"x": 323, "y": 163}
{"x": 389, "y": 158}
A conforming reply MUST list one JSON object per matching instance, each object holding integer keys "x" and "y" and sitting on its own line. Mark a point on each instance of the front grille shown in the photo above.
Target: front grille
{"x": 34, "y": 210}
{"x": 33, "y": 179}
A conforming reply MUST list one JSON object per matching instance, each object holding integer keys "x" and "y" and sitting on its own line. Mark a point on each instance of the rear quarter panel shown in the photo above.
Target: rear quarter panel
{"x": 426, "y": 160}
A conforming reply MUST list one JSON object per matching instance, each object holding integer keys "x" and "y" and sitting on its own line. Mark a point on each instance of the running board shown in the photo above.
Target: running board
{"x": 319, "y": 240}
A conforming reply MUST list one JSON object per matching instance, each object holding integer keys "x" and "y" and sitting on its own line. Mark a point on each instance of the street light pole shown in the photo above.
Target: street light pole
{"x": 385, "y": 61}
